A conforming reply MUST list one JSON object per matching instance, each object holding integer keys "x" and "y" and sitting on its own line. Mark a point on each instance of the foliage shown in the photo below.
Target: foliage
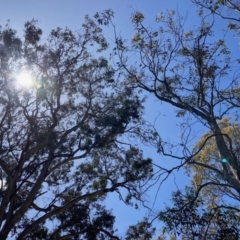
{"x": 226, "y": 9}
{"x": 207, "y": 153}
{"x": 62, "y": 139}
{"x": 197, "y": 74}
{"x": 190, "y": 219}
{"x": 187, "y": 71}
{"x": 142, "y": 230}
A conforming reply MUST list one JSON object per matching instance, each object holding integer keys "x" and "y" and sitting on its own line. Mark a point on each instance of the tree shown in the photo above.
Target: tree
{"x": 210, "y": 155}
{"x": 188, "y": 70}
{"x": 197, "y": 75}
{"x": 189, "y": 219}
{"x": 62, "y": 144}
{"x": 226, "y": 9}
{"x": 141, "y": 231}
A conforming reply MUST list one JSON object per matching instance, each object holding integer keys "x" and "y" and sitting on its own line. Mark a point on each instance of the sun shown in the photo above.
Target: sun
{"x": 24, "y": 79}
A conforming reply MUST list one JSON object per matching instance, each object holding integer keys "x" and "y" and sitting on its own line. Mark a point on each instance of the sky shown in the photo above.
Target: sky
{"x": 70, "y": 13}
{"x": 52, "y": 13}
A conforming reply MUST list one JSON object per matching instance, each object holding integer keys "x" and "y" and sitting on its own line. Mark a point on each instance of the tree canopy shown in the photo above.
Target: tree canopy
{"x": 207, "y": 153}
{"x": 69, "y": 137}
{"x": 63, "y": 145}
{"x": 194, "y": 221}
{"x": 196, "y": 73}
{"x": 187, "y": 70}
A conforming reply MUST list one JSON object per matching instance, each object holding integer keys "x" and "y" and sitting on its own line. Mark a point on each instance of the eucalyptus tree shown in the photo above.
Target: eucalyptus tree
{"x": 192, "y": 71}
{"x": 225, "y": 9}
{"x": 188, "y": 218}
{"x": 208, "y": 153}
{"x": 197, "y": 74}
{"x": 64, "y": 121}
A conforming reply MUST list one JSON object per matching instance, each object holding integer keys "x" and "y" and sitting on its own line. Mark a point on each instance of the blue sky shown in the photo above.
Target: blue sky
{"x": 70, "y": 13}
{"x": 52, "y": 13}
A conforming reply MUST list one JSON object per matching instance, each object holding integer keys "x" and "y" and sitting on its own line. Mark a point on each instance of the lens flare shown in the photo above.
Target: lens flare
{"x": 224, "y": 160}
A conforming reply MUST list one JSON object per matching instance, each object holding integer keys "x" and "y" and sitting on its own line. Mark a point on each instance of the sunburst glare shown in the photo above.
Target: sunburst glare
{"x": 24, "y": 79}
